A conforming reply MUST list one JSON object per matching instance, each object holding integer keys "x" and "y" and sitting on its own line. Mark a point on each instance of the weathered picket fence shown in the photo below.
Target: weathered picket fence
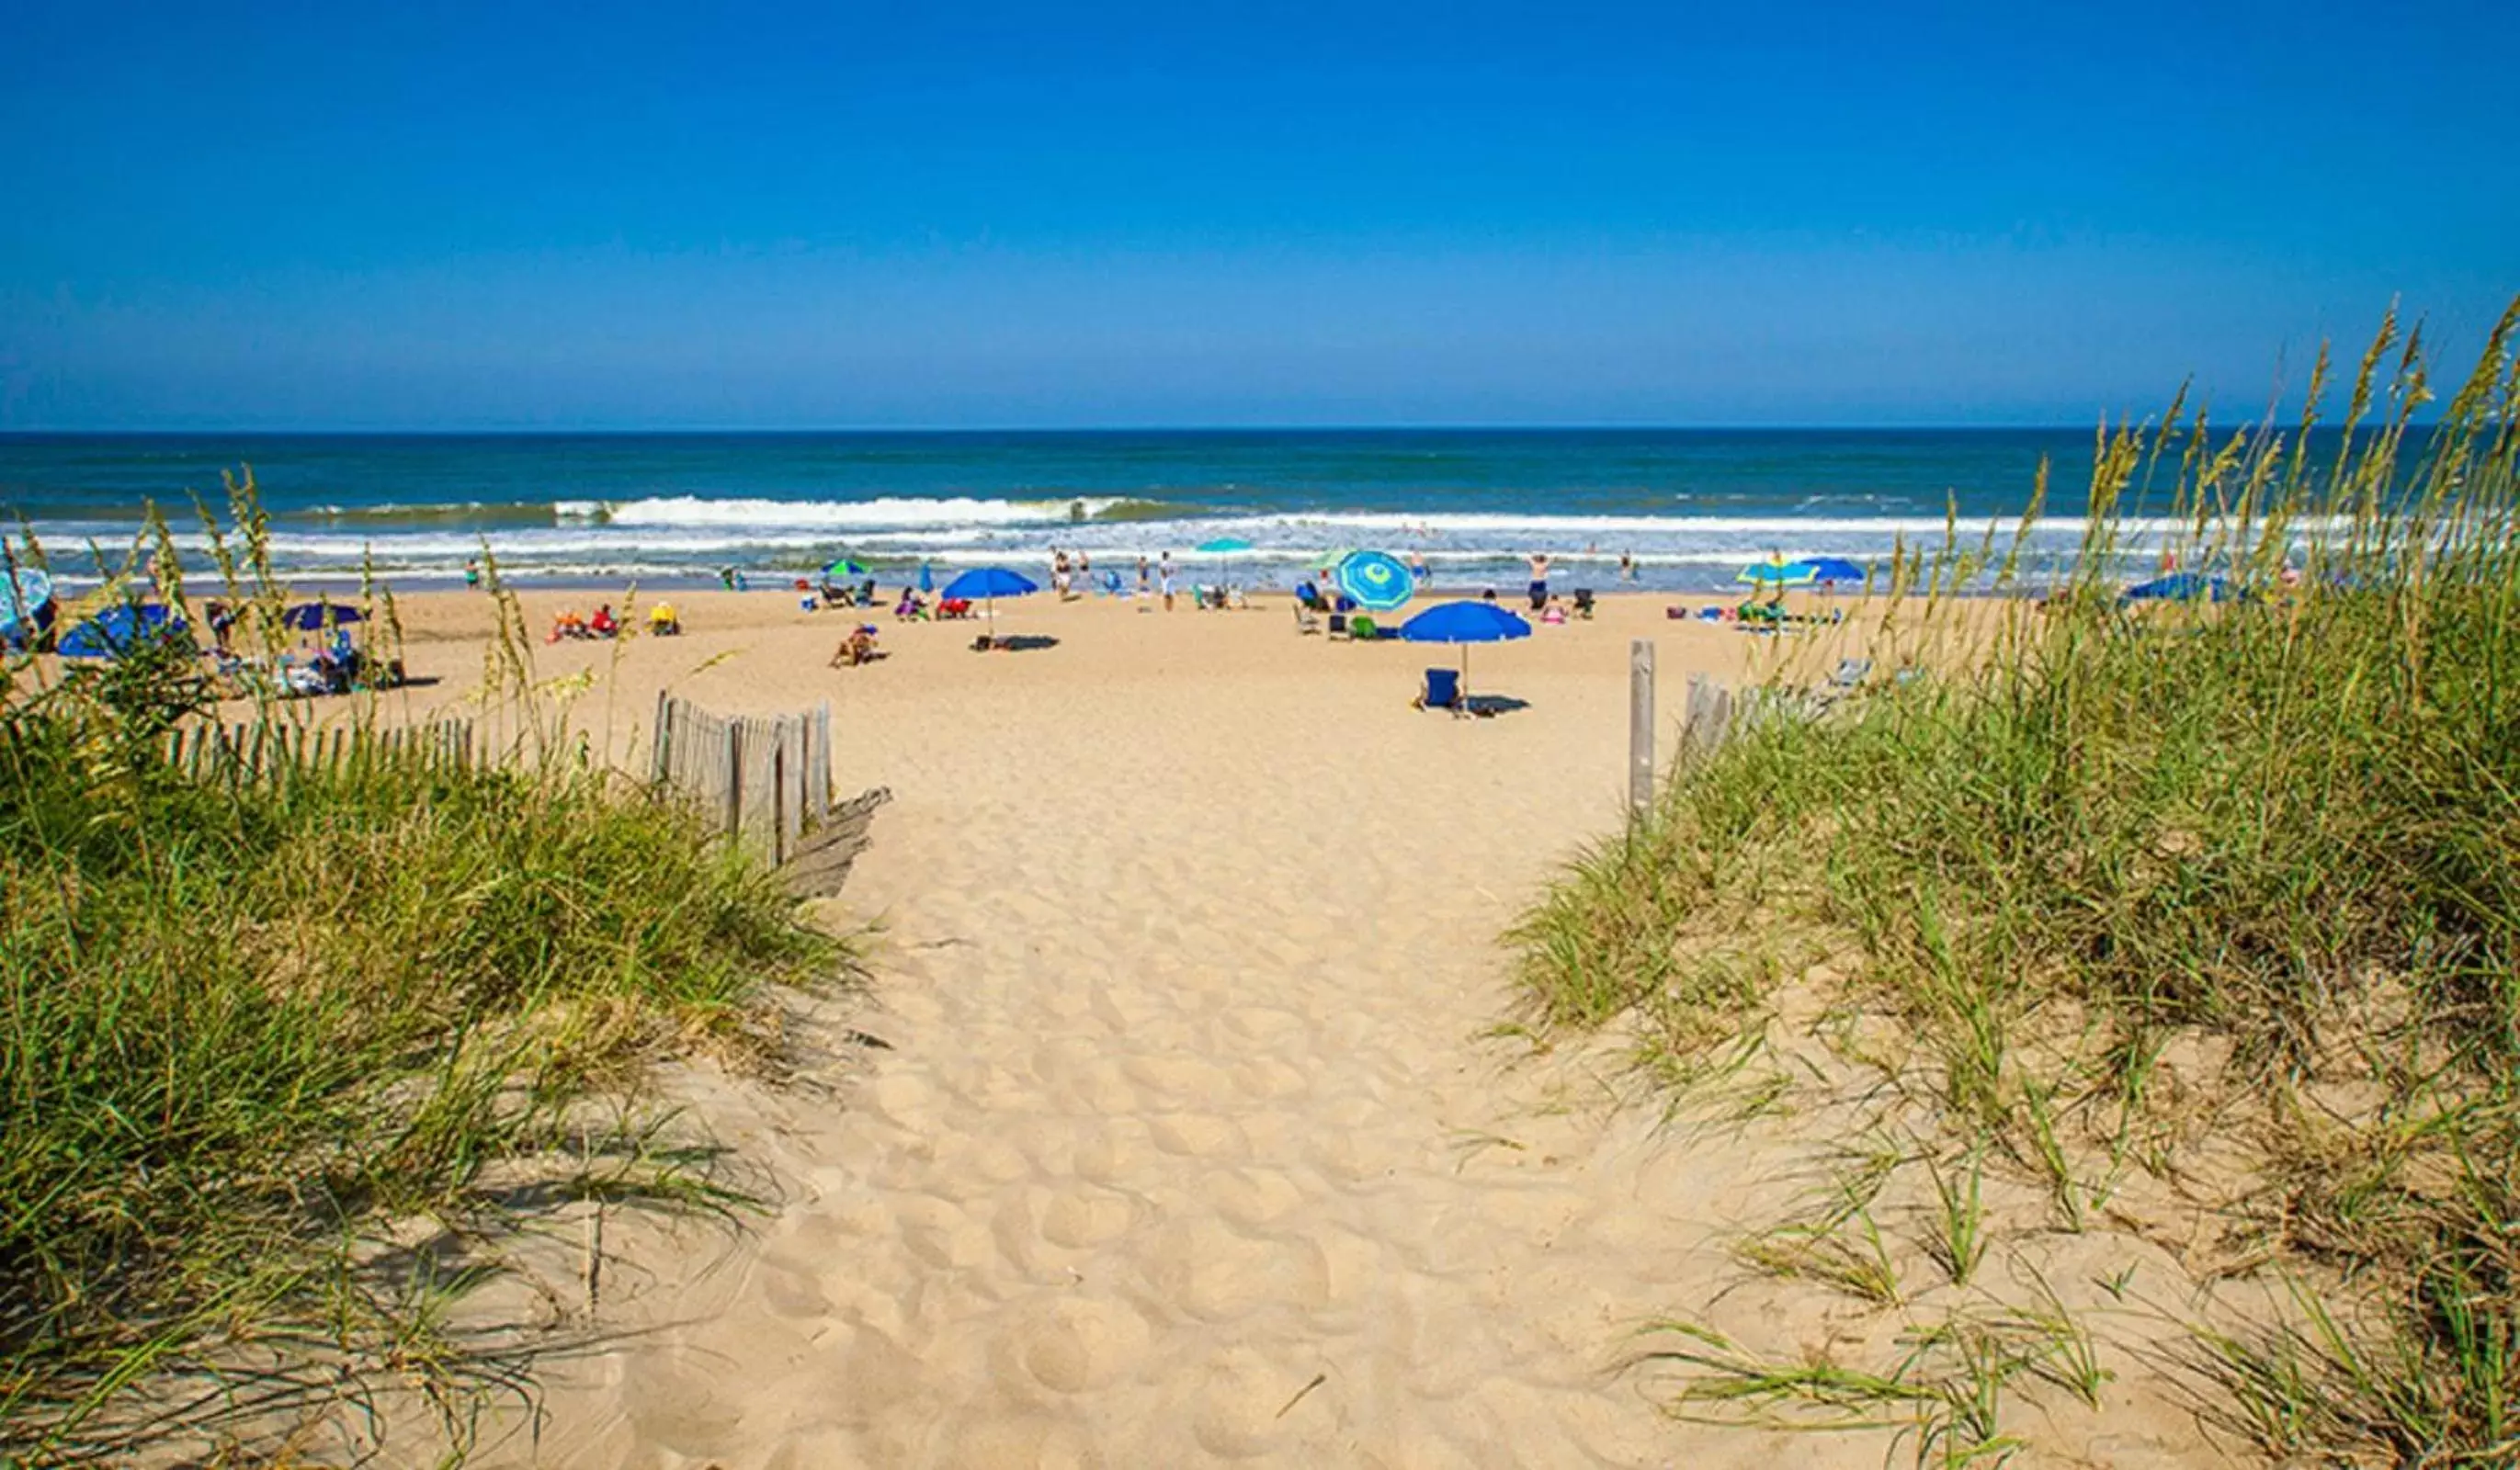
{"x": 265, "y": 749}
{"x": 768, "y": 780}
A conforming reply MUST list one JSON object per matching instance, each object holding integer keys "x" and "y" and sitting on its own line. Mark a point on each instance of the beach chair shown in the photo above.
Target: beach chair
{"x": 1583, "y": 601}
{"x": 1338, "y": 625}
{"x": 1309, "y": 597}
{"x": 1305, "y": 622}
{"x": 865, "y": 592}
{"x": 1442, "y": 690}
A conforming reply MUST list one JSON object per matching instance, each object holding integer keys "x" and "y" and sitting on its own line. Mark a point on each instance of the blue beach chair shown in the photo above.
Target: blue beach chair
{"x": 1443, "y": 690}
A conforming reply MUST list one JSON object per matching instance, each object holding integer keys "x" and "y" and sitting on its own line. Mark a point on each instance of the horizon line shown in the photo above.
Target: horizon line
{"x": 528, "y": 432}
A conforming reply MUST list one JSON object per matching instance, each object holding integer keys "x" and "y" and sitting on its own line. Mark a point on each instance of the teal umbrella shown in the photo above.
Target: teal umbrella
{"x": 1378, "y": 581}
{"x": 1775, "y": 573}
{"x": 1221, "y": 548}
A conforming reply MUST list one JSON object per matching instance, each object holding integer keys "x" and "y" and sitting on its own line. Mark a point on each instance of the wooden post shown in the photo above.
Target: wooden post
{"x": 1641, "y": 726}
{"x": 778, "y": 793}
{"x": 658, "y": 744}
{"x": 734, "y": 779}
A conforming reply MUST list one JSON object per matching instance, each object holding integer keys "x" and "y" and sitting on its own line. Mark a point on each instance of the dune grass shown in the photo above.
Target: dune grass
{"x": 2281, "y": 830}
{"x": 250, "y": 1028}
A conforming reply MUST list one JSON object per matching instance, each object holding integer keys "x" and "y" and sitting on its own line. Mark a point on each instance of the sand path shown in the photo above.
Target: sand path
{"x": 1188, "y": 1151}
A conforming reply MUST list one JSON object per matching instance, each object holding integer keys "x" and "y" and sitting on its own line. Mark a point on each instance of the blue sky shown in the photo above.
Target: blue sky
{"x": 525, "y": 216}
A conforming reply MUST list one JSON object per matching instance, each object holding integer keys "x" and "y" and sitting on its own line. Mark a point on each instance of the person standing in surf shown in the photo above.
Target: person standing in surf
{"x": 1539, "y": 579}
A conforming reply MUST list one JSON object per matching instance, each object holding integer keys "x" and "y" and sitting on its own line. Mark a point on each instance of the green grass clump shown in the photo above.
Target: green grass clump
{"x": 245, "y": 1024}
{"x": 2287, "y": 825}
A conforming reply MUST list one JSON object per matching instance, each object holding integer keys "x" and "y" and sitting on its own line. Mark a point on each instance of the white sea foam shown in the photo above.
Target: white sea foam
{"x": 831, "y": 515}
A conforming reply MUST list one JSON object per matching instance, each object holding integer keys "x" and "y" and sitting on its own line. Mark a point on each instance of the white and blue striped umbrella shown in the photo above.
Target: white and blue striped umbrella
{"x": 1378, "y": 580}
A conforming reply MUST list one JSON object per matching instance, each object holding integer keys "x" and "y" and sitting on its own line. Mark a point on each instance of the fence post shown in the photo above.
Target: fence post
{"x": 734, "y": 779}
{"x": 657, "y": 742}
{"x": 1640, "y": 726}
{"x": 778, "y": 793}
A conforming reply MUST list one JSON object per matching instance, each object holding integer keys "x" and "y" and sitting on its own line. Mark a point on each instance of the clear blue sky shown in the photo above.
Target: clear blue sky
{"x": 521, "y": 214}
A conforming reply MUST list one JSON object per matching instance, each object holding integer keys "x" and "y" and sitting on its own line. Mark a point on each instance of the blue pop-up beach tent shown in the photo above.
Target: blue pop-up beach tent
{"x": 2181, "y": 587}
{"x": 117, "y": 631}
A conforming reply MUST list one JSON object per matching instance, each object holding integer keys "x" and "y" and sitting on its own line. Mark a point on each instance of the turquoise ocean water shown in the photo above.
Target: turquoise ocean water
{"x": 1690, "y": 507}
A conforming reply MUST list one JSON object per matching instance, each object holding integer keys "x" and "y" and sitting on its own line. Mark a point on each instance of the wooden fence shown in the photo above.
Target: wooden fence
{"x": 767, "y": 780}
{"x": 265, "y": 749}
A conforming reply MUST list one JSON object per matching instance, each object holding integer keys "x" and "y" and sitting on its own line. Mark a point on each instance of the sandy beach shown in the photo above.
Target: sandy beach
{"x": 1189, "y": 1141}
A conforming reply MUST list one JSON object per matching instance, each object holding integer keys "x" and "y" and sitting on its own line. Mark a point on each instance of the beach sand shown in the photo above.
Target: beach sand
{"x": 1189, "y": 1141}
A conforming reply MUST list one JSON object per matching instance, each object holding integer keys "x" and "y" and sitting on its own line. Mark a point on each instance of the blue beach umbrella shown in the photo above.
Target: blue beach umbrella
{"x": 25, "y": 593}
{"x": 1829, "y": 569}
{"x": 312, "y": 617}
{"x": 926, "y": 578}
{"x": 991, "y": 583}
{"x": 1380, "y": 581}
{"x": 1463, "y": 624}
{"x": 117, "y": 631}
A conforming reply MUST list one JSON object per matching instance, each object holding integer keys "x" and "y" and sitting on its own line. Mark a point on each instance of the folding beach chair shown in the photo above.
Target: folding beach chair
{"x": 1442, "y": 690}
{"x": 1338, "y": 625}
{"x": 1305, "y": 622}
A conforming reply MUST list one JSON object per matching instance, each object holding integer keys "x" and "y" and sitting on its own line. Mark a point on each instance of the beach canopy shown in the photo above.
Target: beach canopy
{"x": 116, "y": 631}
{"x": 1775, "y": 573}
{"x": 844, "y": 567}
{"x": 24, "y": 594}
{"x": 311, "y": 617}
{"x": 1378, "y": 581}
{"x": 990, "y": 582}
{"x": 1829, "y": 569}
{"x": 2181, "y": 587}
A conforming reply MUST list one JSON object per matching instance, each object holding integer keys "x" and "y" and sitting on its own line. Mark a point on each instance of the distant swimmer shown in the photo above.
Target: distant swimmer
{"x": 1076, "y": 510}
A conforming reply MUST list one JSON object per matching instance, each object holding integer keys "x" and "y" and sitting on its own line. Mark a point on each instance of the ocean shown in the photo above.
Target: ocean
{"x": 1690, "y": 507}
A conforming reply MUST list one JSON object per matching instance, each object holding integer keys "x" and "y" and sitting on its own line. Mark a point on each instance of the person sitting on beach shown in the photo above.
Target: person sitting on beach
{"x": 1555, "y": 613}
{"x": 911, "y": 605}
{"x": 602, "y": 625}
{"x": 663, "y": 621}
{"x": 954, "y": 608}
{"x": 856, "y": 648}
{"x": 567, "y": 625}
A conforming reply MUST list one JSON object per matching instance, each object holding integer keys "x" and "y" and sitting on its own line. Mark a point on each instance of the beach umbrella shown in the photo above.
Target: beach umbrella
{"x": 1465, "y": 624}
{"x": 926, "y": 578}
{"x": 2181, "y": 587}
{"x": 116, "y": 631}
{"x": 843, "y": 568}
{"x": 1829, "y": 569}
{"x": 991, "y": 583}
{"x": 1774, "y": 573}
{"x": 1378, "y": 581}
{"x": 313, "y": 617}
{"x": 1221, "y": 548}
{"x": 25, "y": 593}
